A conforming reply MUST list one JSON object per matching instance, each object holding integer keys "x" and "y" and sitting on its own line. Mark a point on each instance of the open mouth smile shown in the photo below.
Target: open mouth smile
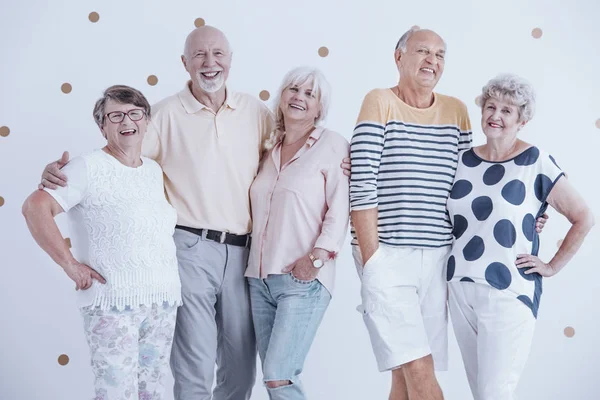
{"x": 128, "y": 132}
{"x": 297, "y": 107}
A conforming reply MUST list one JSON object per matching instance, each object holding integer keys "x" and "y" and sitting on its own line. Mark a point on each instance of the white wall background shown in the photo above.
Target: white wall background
{"x": 46, "y": 43}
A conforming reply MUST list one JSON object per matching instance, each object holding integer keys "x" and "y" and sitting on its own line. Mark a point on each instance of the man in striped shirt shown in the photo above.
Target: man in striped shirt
{"x": 404, "y": 155}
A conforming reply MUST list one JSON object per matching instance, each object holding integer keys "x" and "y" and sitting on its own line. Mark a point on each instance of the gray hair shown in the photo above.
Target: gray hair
{"x": 401, "y": 45}
{"x": 298, "y": 77}
{"x": 121, "y": 94}
{"x": 511, "y": 88}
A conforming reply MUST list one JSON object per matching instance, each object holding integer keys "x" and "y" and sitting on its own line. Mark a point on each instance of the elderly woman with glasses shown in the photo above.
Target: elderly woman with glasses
{"x": 300, "y": 213}
{"x": 124, "y": 266}
{"x": 494, "y": 271}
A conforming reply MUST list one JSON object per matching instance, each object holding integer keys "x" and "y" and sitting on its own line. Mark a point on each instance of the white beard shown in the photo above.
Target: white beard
{"x": 212, "y": 85}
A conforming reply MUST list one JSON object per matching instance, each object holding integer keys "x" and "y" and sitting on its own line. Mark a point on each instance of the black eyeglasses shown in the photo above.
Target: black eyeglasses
{"x": 117, "y": 117}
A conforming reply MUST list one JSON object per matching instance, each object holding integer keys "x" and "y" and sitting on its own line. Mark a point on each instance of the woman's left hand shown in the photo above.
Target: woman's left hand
{"x": 302, "y": 269}
{"x": 535, "y": 265}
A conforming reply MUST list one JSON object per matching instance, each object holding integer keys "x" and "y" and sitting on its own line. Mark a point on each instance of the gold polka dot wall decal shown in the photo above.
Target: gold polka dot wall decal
{"x": 264, "y": 95}
{"x": 598, "y": 123}
{"x": 569, "y": 332}
{"x": 559, "y": 243}
{"x": 536, "y": 33}
{"x": 68, "y": 242}
{"x": 66, "y": 88}
{"x": 323, "y": 51}
{"x": 1, "y": 201}
{"x": 152, "y": 80}
{"x": 4, "y": 131}
{"x": 199, "y": 22}
{"x": 94, "y": 17}
{"x": 63, "y": 359}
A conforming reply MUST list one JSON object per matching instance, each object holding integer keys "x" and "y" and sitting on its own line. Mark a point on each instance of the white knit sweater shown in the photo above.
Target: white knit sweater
{"x": 122, "y": 226}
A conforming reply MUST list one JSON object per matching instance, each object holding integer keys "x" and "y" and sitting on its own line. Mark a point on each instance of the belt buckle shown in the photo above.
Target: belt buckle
{"x": 222, "y": 238}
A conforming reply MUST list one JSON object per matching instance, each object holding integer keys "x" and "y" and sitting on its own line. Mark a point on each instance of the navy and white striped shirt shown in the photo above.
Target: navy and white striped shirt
{"x": 403, "y": 162}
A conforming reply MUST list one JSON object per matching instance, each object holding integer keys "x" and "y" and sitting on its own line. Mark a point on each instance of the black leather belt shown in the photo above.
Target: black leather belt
{"x": 220, "y": 237}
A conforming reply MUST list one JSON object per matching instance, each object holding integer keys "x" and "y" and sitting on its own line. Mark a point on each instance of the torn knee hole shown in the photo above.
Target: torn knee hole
{"x": 276, "y": 384}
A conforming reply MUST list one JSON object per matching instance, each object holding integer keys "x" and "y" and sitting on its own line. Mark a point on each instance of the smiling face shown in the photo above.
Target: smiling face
{"x": 127, "y": 134}
{"x": 299, "y": 103}
{"x": 500, "y": 119}
{"x": 423, "y": 62}
{"x": 207, "y": 58}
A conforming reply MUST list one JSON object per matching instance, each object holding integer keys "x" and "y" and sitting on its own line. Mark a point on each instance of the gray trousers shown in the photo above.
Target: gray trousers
{"x": 214, "y": 325}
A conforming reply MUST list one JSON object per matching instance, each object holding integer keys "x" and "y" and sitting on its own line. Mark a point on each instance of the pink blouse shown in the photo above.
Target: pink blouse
{"x": 299, "y": 206}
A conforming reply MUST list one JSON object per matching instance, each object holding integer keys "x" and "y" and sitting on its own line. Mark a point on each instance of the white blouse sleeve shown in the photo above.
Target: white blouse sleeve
{"x": 548, "y": 174}
{"x": 77, "y": 184}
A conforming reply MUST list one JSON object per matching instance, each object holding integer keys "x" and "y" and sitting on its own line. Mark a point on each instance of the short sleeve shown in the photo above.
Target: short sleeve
{"x": 267, "y": 125}
{"x": 548, "y": 174}
{"x": 465, "y": 140}
{"x": 76, "y": 189}
{"x": 151, "y": 143}
{"x": 373, "y": 109}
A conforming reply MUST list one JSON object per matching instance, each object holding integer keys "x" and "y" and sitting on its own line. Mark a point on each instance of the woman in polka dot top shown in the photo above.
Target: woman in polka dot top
{"x": 494, "y": 274}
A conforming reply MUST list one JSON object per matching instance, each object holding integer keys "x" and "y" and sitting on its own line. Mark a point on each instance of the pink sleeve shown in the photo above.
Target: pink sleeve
{"x": 335, "y": 223}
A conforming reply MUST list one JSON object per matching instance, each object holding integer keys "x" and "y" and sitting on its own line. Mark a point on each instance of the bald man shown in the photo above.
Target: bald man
{"x": 208, "y": 141}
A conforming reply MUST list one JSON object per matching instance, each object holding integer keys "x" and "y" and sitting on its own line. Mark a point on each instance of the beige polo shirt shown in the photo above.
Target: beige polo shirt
{"x": 209, "y": 159}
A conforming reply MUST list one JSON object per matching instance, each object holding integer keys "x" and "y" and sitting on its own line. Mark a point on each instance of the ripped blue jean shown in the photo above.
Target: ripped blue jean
{"x": 286, "y": 313}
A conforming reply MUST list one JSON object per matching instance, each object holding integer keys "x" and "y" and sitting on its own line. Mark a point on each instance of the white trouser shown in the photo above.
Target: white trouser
{"x": 494, "y": 331}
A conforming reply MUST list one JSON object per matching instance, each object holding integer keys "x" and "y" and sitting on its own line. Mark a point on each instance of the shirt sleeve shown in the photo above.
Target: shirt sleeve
{"x": 549, "y": 173}
{"x": 266, "y": 126}
{"x": 335, "y": 223}
{"x": 465, "y": 139}
{"x": 72, "y": 194}
{"x": 151, "y": 142}
{"x": 365, "y": 153}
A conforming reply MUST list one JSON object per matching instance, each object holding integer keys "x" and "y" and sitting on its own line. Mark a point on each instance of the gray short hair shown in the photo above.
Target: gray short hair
{"x": 401, "y": 45}
{"x": 511, "y": 88}
{"x": 298, "y": 77}
{"x": 121, "y": 94}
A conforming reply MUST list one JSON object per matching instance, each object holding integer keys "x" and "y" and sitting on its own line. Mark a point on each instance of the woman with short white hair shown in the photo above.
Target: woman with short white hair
{"x": 494, "y": 273}
{"x": 300, "y": 210}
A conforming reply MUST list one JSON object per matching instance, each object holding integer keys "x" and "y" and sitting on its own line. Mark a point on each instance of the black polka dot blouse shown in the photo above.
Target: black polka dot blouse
{"x": 493, "y": 207}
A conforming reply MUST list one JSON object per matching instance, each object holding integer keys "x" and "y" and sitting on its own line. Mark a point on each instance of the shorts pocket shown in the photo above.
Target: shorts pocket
{"x": 373, "y": 259}
{"x": 395, "y": 304}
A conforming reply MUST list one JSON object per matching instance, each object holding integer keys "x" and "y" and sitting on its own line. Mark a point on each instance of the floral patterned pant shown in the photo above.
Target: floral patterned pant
{"x": 130, "y": 350}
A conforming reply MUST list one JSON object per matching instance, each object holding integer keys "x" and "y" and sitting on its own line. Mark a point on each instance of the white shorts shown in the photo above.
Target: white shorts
{"x": 404, "y": 294}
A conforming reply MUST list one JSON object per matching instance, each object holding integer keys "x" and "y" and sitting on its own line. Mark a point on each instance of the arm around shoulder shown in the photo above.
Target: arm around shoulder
{"x": 151, "y": 142}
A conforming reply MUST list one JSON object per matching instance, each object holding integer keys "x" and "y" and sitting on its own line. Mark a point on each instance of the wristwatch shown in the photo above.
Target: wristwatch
{"x": 316, "y": 262}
